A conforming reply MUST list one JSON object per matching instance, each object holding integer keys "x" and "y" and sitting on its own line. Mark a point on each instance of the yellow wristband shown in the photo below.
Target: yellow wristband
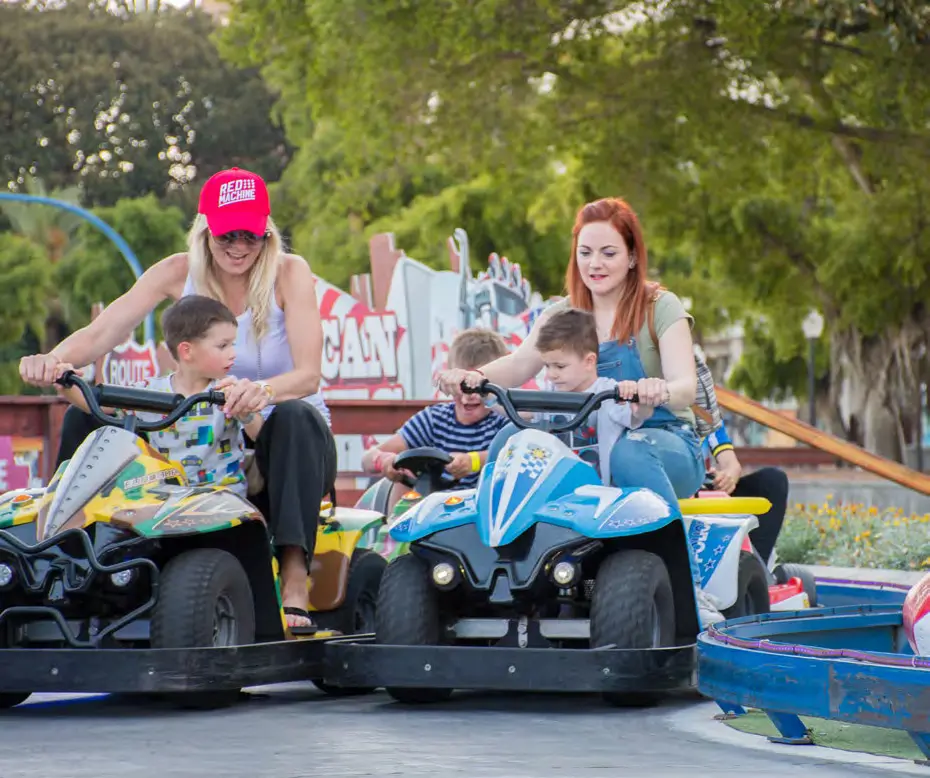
{"x": 475, "y": 461}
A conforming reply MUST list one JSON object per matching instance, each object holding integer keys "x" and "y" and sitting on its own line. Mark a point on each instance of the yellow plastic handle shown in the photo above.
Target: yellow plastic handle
{"x": 694, "y": 506}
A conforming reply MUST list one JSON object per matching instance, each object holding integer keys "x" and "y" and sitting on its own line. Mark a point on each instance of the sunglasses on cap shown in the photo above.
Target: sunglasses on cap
{"x": 229, "y": 238}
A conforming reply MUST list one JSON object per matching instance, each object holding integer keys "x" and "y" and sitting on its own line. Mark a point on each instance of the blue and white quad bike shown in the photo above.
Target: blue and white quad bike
{"x": 543, "y": 579}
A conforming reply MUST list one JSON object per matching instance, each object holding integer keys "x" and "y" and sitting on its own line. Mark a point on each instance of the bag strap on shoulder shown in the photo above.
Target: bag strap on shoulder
{"x": 698, "y": 411}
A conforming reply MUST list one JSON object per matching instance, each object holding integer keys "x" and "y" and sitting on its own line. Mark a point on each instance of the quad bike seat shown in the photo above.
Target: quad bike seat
{"x": 694, "y": 506}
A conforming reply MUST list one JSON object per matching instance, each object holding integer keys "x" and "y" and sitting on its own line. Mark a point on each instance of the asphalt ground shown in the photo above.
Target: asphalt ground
{"x": 294, "y": 731}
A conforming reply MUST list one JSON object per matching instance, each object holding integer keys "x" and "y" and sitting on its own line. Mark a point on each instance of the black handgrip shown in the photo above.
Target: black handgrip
{"x": 619, "y": 399}
{"x": 126, "y": 398}
{"x": 480, "y": 389}
{"x": 515, "y": 400}
{"x": 130, "y": 399}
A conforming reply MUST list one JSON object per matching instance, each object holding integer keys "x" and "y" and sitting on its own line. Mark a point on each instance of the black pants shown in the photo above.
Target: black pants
{"x": 295, "y": 453}
{"x": 772, "y": 484}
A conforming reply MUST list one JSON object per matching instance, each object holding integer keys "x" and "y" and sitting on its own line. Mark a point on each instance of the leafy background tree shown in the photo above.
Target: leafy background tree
{"x": 777, "y": 153}
{"x": 124, "y": 108}
{"x": 127, "y": 103}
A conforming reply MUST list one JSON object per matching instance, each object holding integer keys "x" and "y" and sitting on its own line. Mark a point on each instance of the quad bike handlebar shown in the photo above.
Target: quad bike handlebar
{"x": 515, "y": 400}
{"x": 129, "y": 399}
{"x": 428, "y": 467}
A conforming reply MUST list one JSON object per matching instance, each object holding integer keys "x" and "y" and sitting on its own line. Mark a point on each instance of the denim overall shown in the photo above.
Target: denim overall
{"x": 664, "y": 454}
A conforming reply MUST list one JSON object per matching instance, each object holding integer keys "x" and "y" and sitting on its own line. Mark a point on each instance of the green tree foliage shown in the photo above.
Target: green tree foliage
{"x": 95, "y": 271}
{"x": 24, "y": 300}
{"x": 778, "y": 153}
{"x": 126, "y": 104}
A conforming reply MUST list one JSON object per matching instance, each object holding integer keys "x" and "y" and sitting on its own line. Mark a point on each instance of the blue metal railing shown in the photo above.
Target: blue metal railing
{"x": 106, "y": 229}
{"x": 850, "y": 663}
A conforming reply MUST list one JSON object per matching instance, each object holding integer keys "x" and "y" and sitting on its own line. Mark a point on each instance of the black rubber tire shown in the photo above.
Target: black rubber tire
{"x": 632, "y": 607}
{"x": 190, "y": 587}
{"x": 356, "y": 615}
{"x": 408, "y": 615}
{"x": 784, "y": 572}
{"x": 752, "y": 588}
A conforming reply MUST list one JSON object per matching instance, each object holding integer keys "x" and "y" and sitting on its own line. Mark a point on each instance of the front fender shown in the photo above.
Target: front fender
{"x": 434, "y": 513}
{"x": 610, "y": 512}
{"x": 190, "y": 511}
{"x": 716, "y": 542}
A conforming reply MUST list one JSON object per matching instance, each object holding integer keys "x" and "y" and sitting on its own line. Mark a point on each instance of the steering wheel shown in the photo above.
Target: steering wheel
{"x": 428, "y": 467}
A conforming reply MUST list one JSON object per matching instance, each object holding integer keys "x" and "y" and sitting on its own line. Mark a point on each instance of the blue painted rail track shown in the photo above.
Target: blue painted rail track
{"x": 847, "y": 660}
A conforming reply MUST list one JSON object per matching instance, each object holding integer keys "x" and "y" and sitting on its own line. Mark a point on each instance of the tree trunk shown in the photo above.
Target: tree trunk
{"x": 876, "y": 378}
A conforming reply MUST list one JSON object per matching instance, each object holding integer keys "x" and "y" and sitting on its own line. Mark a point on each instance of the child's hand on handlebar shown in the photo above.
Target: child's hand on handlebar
{"x": 450, "y": 381}
{"x": 627, "y": 390}
{"x": 384, "y": 463}
{"x": 461, "y": 466}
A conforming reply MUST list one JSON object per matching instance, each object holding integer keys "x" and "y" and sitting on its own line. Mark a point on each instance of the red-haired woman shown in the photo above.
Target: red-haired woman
{"x": 607, "y": 275}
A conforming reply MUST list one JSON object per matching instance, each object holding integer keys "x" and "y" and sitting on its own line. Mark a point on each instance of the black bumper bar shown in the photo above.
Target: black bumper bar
{"x": 365, "y": 665}
{"x": 129, "y": 670}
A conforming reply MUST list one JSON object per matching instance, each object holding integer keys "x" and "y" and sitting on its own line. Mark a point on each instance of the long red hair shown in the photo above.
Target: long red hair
{"x": 637, "y": 292}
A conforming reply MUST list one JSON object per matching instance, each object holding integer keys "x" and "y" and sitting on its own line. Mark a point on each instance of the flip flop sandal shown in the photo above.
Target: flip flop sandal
{"x": 306, "y": 629}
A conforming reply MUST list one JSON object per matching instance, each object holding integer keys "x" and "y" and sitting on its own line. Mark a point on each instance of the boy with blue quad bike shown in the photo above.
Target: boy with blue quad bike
{"x": 568, "y": 345}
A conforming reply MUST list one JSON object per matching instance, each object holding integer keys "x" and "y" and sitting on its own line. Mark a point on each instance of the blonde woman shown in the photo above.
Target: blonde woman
{"x": 235, "y": 254}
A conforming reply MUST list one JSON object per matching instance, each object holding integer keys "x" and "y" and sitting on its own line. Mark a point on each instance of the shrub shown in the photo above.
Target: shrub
{"x": 853, "y": 535}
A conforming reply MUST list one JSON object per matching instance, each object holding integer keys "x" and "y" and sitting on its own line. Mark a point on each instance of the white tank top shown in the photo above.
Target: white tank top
{"x": 270, "y": 357}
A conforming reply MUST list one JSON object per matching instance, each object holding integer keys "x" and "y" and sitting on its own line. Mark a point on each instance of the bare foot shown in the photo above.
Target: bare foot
{"x": 294, "y": 579}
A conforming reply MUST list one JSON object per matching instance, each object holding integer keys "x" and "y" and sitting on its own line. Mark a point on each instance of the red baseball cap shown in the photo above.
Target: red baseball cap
{"x": 235, "y": 199}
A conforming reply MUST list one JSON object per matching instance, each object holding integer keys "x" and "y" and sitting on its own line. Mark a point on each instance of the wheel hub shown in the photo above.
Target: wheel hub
{"x": 224, "y": 622}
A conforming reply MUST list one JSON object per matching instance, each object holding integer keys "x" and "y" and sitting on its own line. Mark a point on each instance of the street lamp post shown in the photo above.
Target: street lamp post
{"x": 812, "y": 327}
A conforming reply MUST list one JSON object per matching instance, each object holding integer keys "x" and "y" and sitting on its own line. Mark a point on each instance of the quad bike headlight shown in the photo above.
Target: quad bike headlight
{"x": 123, "y": 578}
{"x": 6, "y": 575}
{"x": 443, "y": 574}
{"x": 564, "y": 573}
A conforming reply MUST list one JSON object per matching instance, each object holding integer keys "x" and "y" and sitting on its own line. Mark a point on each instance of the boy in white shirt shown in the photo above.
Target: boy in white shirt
{"x": 200, "y": 333}
{"x": 568, "y": 346}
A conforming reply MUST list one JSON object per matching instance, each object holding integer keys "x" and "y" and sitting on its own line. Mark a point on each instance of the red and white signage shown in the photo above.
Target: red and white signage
{"x": 129, "y": 364}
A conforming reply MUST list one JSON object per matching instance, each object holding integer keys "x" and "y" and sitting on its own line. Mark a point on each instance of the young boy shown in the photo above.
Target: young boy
{"x": 200, "y": 334}
{"x": 463, "y": 428}
{"x": 568, "y": 346}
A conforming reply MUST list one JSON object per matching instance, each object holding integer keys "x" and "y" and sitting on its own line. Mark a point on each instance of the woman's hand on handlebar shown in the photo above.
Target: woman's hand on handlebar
{"x": 242, "y": 396}
{"x": 652, "y": 391}
{"x": 450, "y": 381}
{"x": 42, "y": 369}
{"x": 627, "y": 390}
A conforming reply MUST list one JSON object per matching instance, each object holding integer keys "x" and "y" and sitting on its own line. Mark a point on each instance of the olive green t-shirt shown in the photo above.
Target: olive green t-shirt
{"x": 669, "y": 309}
